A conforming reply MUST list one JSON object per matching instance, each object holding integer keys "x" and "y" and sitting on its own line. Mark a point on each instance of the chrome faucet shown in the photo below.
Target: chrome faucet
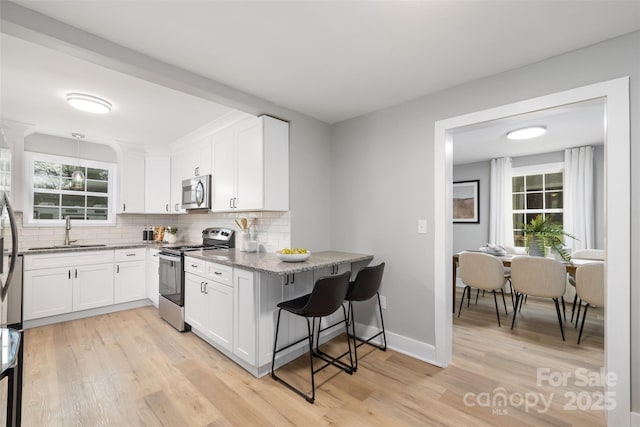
{"x": 68, "y": 242}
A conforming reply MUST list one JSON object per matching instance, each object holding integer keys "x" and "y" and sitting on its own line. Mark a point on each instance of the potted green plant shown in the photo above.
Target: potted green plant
{"x": 541, "y": 233}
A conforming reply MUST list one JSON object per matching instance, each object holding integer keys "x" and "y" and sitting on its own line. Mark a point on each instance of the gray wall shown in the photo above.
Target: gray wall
{"x": 382, "y": 175}
{"x": 472, "y": 236}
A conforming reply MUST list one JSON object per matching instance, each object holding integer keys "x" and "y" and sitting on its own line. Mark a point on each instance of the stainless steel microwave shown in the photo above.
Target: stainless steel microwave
{"x": 196, "y": 193}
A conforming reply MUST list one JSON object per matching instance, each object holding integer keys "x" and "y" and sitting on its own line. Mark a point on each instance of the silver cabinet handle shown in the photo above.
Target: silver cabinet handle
{"x": 194, "y": 266}
{"x": 124, "y": 207}
{"x": 217, "y": 273}
{"x": 69, "y": 274}
{"x": 76, "y": 274}
{"x": 131, "y": 255}
{"x": 205, "y": 288}
{"x": 201, "y": 287}
{"x": 166, "y": 207}
{"x": 177, "y": 209}
{"x": 117, "y": 269}
{"x": 231, "y": 203}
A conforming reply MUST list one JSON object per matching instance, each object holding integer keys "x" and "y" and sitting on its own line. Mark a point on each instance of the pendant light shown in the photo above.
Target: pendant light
{"x": 77, "y": 177}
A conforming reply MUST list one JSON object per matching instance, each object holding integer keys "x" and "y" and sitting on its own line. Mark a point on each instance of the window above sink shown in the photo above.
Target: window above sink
{"x": 52, "y": 197}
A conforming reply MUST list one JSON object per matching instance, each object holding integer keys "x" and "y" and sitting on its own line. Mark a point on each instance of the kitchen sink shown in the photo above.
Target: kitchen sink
{"x": 48, "y": 248}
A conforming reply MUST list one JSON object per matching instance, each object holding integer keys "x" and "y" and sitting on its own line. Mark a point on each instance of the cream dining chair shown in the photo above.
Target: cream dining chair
{"x": 538, "y": 277}
{"x": 590, "y": 288}
{"x": 593, "y": 254}
{"x": 482, "y": 271}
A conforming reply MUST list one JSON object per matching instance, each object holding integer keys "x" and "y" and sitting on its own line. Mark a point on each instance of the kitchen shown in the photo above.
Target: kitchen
{"x": 323, "y": 215}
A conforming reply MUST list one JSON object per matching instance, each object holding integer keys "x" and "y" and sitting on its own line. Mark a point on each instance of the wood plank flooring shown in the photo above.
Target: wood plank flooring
{"x": 132, "y": 369}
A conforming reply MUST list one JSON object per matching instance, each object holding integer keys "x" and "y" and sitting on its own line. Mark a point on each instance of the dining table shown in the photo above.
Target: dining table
{"x": 506, "y": 261}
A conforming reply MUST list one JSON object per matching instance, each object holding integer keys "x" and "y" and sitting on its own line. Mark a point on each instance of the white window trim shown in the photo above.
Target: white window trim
{"x": 541, "y": 169}
{"x": 32, "y": 157}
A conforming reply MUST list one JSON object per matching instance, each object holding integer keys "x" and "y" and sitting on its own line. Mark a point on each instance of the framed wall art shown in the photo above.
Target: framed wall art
{"x": 466, "y": 201}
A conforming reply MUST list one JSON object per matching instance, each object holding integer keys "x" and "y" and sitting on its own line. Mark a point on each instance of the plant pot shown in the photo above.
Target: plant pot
{"x": 534, "y": 247}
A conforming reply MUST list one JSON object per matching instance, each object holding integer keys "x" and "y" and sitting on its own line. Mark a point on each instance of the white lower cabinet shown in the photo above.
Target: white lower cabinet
{"x": 130, "y": 282}
{"x": 47, "y": 292}
{"x": 195, "y": 303}
{"x": 208, "y": 304}
{"x": 244, "y": 315}
{"x": 92, "y": 286}
{"x": 153, "y": 276}
{"x": 80, "y": 281}
{"x": 220, "y": 313}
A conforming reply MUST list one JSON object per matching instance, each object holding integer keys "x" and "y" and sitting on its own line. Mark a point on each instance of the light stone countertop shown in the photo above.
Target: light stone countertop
{"x": 269, "y": 262}
{"x": 88, "y": 247}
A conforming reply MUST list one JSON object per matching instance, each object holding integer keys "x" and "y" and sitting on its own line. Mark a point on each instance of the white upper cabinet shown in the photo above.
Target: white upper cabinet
{"x": 190, "y": 161}
{"x": 179, "y": 168}
{"x": 223, "y": 181}
{"x": 251, "y": 166}
{"x": 132, "y": 188}
{"x": 157, "y": 188}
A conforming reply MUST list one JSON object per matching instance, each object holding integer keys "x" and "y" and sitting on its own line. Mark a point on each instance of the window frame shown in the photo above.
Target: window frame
{"x": 32, "y": 157}
{"x": 542, "y": 169}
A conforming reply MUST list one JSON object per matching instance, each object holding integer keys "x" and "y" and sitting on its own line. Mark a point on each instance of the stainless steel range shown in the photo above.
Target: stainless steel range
{"x": 171, "y": 303}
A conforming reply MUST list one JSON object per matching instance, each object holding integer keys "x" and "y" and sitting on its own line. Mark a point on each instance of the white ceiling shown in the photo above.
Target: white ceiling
{"x": 331, "y": 60}
{"x": 568, "y": 126}
{"x": 35, "y": 79}
{"x": 337, "y": 60}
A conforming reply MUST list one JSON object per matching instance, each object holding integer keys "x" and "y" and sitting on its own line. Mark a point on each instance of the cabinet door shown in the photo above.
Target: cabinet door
{"x": 157, "y": 188}
{"x": 271, "y": 293}
{"x": 195, "y": 303}
{"x": 153, "y": 276}
{"x": 244, "y": 316}
{"x": 131, "y": 183}
{"x": 223, "y": 171}
{"x": 203, "y": 163}
{"x": 178, "y": 174}
{"x": 92, "y": 286}
{"x": 130, "y": 282}
{"x": 220, "y": 313}
{"x": 249, "y": 166}
{"x": 47, "y": 292}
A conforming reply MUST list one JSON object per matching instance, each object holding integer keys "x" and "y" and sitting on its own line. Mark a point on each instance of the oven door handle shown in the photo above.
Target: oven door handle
{"x": 172, "y": 258}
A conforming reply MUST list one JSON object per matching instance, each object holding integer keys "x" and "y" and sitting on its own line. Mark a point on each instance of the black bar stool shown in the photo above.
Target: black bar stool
{"x": 363, "y": 288}
{"x": 326, "y": 297}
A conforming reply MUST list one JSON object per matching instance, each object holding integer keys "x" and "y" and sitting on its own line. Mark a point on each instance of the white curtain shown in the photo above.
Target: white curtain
{"x": 578, "y": 197}
{"x": 501, "y": 215}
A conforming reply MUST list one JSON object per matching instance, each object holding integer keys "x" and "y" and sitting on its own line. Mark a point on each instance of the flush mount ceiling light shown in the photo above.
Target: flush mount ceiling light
{"x": 526, "y": 133}
{"x": 88, "y": 103}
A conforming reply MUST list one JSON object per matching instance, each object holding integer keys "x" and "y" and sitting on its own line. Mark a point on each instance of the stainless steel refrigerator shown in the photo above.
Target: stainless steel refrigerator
{"x": 11, "y": 334}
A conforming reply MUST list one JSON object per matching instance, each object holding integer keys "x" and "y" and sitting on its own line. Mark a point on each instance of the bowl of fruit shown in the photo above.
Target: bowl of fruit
{"x": 293, "y": 255}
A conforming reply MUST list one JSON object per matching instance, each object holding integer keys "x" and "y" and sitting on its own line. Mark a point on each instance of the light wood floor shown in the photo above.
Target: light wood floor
{"x": 131, "y": 368}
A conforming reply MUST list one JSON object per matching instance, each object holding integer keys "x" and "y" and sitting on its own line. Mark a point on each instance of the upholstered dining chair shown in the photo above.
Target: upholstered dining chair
{"x": 593, "y": 254}
{"x": 483, "y": 272}
{"x": 538, "y": 277}
{"x": 590, "y": 288}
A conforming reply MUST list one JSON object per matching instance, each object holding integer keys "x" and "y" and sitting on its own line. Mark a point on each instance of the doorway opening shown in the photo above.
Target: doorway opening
{"x": 616, "y": 226}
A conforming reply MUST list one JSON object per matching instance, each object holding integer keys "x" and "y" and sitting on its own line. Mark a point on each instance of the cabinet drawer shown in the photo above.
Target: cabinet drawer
{"x": 220, "y": 273}
{"x": 67, "y": 259}
{"x": 133, "y": 254}
{"x": 195, "y": 266}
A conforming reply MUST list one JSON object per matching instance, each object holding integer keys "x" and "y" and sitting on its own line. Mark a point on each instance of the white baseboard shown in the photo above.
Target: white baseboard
{"x": 635, "y": 419}
{"x": 401, "y": 344}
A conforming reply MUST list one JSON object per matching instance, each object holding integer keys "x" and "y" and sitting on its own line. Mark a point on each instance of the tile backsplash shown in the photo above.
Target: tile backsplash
{"x": 272, "y": 229}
